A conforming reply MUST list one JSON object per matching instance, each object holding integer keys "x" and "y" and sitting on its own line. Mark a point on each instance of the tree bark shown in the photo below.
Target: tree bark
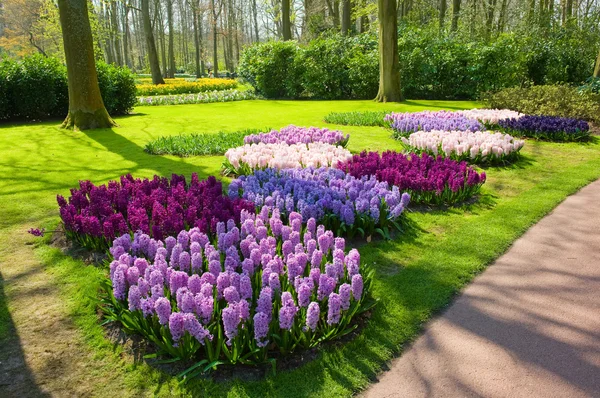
{"x": 255, "y": 16}
{"x": 171, "y": 68}
{"x": 196, "y": 40}
{"x": 286, "y": 24}
{"x": 86, "y": 108}
{"x": 597, "y": 68}
{"x": 151, "y": 45}
{"x": 455, "y": 15}
{"x": 389, "y": 64}
{"x": 346, "y": 17}
{"x": 116, "y": 33}
{"x": 443, "y": 6}
{"x": 215, "y": 39}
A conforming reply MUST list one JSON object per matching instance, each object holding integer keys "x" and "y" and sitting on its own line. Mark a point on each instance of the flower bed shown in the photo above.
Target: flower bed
{"x": 181, "y": 86}
{"x": 475, "y": 147}
{"x": 490, "y": 117}
{"x": 358, "y": 118}
{"x": 94, "y": 215}
{"x": 248, "y": 158}
{"x": 429, "y": 180}
{"x": 404, "y": 124}
{"x": 199, "y": 98}
{"x": 260, "y": 290}
{"x": 341, "y": 202}
{"x": 299, "y": 135}
{"x": 549, "y": 128}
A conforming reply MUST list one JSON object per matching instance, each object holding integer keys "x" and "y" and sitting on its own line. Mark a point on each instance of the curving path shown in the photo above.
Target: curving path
{"x": 527, "y": 327}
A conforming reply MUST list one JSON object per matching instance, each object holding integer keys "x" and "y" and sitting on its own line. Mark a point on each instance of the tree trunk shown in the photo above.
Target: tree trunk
{"x": 151, "y": 45}
{"x": 389, "y": 64}
{"x": 286, "y": 24}
{"x": 336, "y": 14}
{"x": 346, "y": 17}
{"x": 196, "y": 41}
{"x": 171, "y": 68}
{"x": 597, "y": 68}
{"x": 490, "y": 18}
{"x": 86, "y": 108}
{"x": 255, "y": 16}
{"x": 126, "y": 42}
{"x": 455, "y": 15}
{"x": 116, "y": 33}
{"x": 443, "y": 6}
{"x": 215, "y": 40}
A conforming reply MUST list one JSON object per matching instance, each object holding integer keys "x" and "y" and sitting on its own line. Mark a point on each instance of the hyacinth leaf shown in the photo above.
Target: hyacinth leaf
{"x": 191, "y": 368}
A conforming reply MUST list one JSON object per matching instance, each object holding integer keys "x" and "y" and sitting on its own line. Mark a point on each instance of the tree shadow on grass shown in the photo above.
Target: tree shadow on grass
{"x": 16, "y": 377}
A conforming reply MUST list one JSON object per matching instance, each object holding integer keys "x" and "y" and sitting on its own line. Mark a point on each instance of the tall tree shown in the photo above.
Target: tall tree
{"x": 255, "y": 17}
{"x": 86, "y": 108}
{"x": 286, "y": 24}
{"x": 389, "y": 64}
{"x": 455, "y": 15}
{"x": 597, "y": 68}
{"x": 346, "y": 17}
{"x": 443, "y": 6}
{"x": 171, "y": 67}
{"x": 151, "y": 45}
{"x": 215, "y": 17}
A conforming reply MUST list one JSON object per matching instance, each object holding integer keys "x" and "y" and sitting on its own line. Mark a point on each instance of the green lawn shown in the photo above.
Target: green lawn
{"x": 44, "y": 293}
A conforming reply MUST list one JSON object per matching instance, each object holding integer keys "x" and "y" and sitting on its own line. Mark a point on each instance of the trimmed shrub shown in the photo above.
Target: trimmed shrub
{"x": 549, "y": 100}
{"x": 271, "y": 70}
{"x": 117, "y": 85}
{"x": 36, "y": 88}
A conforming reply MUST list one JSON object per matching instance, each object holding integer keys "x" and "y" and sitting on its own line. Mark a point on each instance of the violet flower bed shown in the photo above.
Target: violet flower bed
{"x": 260, "y": 289}
{"x": 343, "y": 203}
{"x": 94, "y": 215}
{"x": 299, "y": 135}
{"x": 428, "y": 179}
{"x": 549, "y": 128}
{"x": 475, "y": 147}
{"x": 403, "y": 124}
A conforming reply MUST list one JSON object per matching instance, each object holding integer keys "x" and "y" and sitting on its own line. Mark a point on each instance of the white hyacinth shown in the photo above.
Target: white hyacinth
{"x": 283, "y": 156}
{"x": 464, "y": 144}
{"x": 490, "y": 115}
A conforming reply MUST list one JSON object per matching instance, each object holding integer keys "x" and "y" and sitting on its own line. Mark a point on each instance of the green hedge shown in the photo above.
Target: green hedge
{"x": 432, "y": 66}
{"x": 550, "y": 100}
{"x": 36, "y": 89}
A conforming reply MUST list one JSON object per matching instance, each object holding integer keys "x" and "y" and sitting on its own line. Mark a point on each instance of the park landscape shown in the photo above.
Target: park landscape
{"x": 270, "y": 230}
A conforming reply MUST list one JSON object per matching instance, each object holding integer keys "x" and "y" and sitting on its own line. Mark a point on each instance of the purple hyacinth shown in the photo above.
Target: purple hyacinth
{"x": 195, "y": 329}
{"x": 261, "y": 328}
{"x": 287, "y": 312}
{"x": 357, "y": 287}
{"x": 264, "y": 303}
{"x": 231, "y": 321}
{"x": 312, "y": 316}
{"x": 334, "y": 309}
{"x": 134, "y": 297}
{"x": 345, "y": 291}
{"x": 231, "y": 294}
{"x": 162, "y": 306}
{"x": 304, "y": 293}
{"x": 177, "y": 325}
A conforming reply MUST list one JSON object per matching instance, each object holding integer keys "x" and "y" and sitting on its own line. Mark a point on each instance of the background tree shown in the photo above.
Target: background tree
{"x": 286, "y": 25}
{"x": 86, "y": 108}
{"x": 389, "y": 64}
{"x": 151, "y": 45}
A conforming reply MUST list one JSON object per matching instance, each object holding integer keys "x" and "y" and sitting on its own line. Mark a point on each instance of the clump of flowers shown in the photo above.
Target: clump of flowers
{"x": 343, "y": 203}
{"x": 474, "y": 147}
{"x": 198, "y": 98}
{"x": 261, "y": 286}
{"x": 551, "y": 128}
{"x": 250, "y": 157}
{"x": 94, "y": 215}
{"x": 428, "y": 179}
{"x": 299, "y": 135}
{"x": 490, "y": 117}
{"x": 404, "y": 124}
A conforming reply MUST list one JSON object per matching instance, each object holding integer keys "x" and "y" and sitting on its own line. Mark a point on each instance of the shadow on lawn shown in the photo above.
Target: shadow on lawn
{"x": 129, "y": 150}
{"x": 16, "y": 378}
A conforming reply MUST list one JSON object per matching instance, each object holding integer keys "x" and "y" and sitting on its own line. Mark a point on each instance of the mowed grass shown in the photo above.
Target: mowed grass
{"x": 417, "y": 274}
